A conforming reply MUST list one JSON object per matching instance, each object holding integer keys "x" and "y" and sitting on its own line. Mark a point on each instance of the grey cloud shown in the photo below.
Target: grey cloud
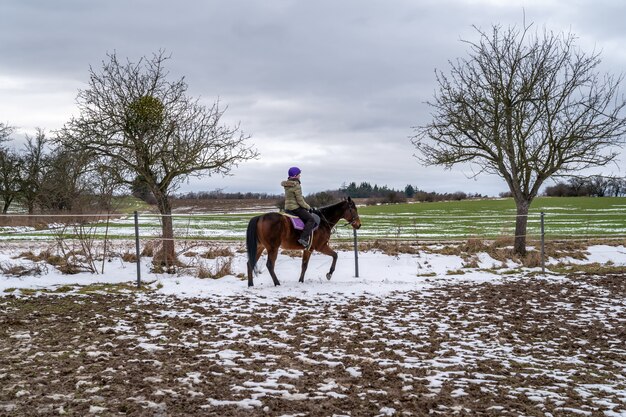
{"x": 298, "y": 75}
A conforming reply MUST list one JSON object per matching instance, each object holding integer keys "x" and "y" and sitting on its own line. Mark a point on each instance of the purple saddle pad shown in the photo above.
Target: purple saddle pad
{"x": 299, "y": 224}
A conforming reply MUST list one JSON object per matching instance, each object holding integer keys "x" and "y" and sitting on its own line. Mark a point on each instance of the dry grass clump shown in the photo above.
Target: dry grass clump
{"x": 43, "y": 256}
{"x": 66, "y": 264}
{"x": 30, "y": 256}
{"x": 222, "y": 267}
{"x": 388, "y": 247}
{"x": 18, "y": 270}
{"x": 502, "y": 242}
{"x": 69, "y": 268}
{"x": 566, "y": 248}
{"x": 470, "y": 262}
{"x": 590, "y": 269}
{"x": 216, "y": 252}
{"x": 501, "y": 249}
{"x": 56, "y": 260}
{"x": 149, "y": 248}
{"x": 129, "y": 257}
{"x": 474, "y": 245}
{"x": 532, "y": 259}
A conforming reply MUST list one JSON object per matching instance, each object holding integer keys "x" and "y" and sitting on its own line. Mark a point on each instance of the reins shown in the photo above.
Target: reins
{"x": 333, "y": 228}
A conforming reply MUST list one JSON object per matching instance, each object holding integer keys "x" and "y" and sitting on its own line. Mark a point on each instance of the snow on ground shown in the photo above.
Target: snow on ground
{"x": 412, "y": 335}
{"x": 379, "y": 274}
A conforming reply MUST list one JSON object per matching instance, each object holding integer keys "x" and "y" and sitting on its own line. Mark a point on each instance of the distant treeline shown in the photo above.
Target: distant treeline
{"x": 377, "y": 195}
{"x": 594, "y": 186}
{"x": 221, "y": 195}
{"x": 373, "y": 194}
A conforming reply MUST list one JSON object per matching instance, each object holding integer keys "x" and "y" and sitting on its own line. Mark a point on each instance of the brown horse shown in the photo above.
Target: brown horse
{"x": 272, "y": 230}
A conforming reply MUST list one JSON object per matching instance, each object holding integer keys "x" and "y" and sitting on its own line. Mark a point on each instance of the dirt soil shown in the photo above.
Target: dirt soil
{"x": 529, "y": 347}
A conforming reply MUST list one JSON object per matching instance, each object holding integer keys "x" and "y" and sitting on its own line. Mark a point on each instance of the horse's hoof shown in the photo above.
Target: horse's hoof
{"x": 329, "y": 276}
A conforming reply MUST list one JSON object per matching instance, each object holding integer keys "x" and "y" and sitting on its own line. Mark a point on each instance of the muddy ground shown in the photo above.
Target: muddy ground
{"x": 527, "y": 346}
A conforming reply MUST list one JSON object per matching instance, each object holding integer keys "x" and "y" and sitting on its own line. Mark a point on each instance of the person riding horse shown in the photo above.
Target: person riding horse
{"x": 296, "y": 205}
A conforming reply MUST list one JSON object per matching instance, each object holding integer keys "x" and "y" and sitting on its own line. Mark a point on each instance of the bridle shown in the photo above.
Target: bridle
{"x": 353, "y": 214}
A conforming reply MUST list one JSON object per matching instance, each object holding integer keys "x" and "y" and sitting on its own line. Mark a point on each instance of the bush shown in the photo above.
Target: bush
{"x": 223, "y": 267}
{"x": 215, "y": 252}
{"x": 391, "y": 198}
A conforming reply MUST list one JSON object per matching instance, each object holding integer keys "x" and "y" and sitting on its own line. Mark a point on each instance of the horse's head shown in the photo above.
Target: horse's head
{"x": 351, "y": 215}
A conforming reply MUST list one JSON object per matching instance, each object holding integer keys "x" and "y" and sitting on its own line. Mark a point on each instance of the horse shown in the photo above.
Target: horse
{"x": 274, "y": 230}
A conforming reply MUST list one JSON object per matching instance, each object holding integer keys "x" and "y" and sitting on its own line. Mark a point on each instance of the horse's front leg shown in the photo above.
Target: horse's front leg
{"x": 306, "y": 255}
{"x": 326, "y": 250}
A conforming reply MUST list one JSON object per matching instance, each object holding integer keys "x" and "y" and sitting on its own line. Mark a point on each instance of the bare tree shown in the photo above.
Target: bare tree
{"x": 148, "y": 127}
{"x": 9, "y": 169}
{"x": 598, "y": 185}
{"x": 34, "y": 157}
{"x": 525, "y": 106}
{"x": 10, "y": 179}
{"x": 5, "y": 132}
{"x": 66, "y": 185}
{"x": 617, "y": 186}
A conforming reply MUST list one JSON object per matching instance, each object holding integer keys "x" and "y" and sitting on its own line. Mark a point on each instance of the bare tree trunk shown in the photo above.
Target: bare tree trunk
{"x": 167, "y": 255}
{"x": 7, "y": 204}
{"x": 521, "y": 222}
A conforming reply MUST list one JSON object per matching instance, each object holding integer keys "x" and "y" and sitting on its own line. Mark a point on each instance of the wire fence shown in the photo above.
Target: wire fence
{"x": 213, "y": 227}
{"x": 91, "y": 230}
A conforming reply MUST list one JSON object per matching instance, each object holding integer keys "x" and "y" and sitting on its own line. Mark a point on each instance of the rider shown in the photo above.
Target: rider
{"x": 295, "y": 204}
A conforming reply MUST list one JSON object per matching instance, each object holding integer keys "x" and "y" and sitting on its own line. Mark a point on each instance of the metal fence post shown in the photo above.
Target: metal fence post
{"x": 356, "y": 255}
{"x": 543, "y": 245}
{"x": 137, "y": 253}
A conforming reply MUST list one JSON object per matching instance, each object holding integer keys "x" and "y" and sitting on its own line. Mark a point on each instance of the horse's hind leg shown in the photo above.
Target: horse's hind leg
{"x": 259, "y": 252}
{"x": 305, "y": 263}
{"x": 250, "y": 277}
{"x": 272, "y": 254}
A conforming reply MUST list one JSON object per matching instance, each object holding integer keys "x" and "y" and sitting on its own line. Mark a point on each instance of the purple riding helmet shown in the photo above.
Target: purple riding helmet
{"x": 293, "y": 172}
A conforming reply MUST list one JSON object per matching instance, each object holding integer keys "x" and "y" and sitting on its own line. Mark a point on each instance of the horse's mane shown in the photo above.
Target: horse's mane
{"x": 324, "y": 210}
{"x": 331, "y": 206}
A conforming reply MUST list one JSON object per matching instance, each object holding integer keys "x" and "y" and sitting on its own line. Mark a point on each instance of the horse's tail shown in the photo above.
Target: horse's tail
{"x": 251, "y": 241}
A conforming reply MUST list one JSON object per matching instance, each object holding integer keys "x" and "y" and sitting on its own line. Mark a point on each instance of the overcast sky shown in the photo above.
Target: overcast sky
{"x": 332, "y": 86}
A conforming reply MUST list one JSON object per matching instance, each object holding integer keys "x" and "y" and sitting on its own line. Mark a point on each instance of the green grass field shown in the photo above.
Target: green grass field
{"x": 564, "y": 217}
{"x": 578, "y": 217}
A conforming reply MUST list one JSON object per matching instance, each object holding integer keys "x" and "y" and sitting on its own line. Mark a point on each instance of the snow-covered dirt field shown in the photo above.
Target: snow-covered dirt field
{"x": 413, "y": 335}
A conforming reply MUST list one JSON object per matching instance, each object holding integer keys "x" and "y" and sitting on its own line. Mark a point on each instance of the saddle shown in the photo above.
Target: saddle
{"x": 299, "y": 224}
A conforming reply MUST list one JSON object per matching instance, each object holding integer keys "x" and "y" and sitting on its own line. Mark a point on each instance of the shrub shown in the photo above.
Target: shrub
{"x": 222, "y": 268}
{"x": 22, "y": 270}
{"x": 215, "y": 252}
{"x": 129, "y": 257}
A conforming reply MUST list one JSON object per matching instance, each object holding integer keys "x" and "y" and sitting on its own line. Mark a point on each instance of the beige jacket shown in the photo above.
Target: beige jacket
{"x": 293, "y": 195}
